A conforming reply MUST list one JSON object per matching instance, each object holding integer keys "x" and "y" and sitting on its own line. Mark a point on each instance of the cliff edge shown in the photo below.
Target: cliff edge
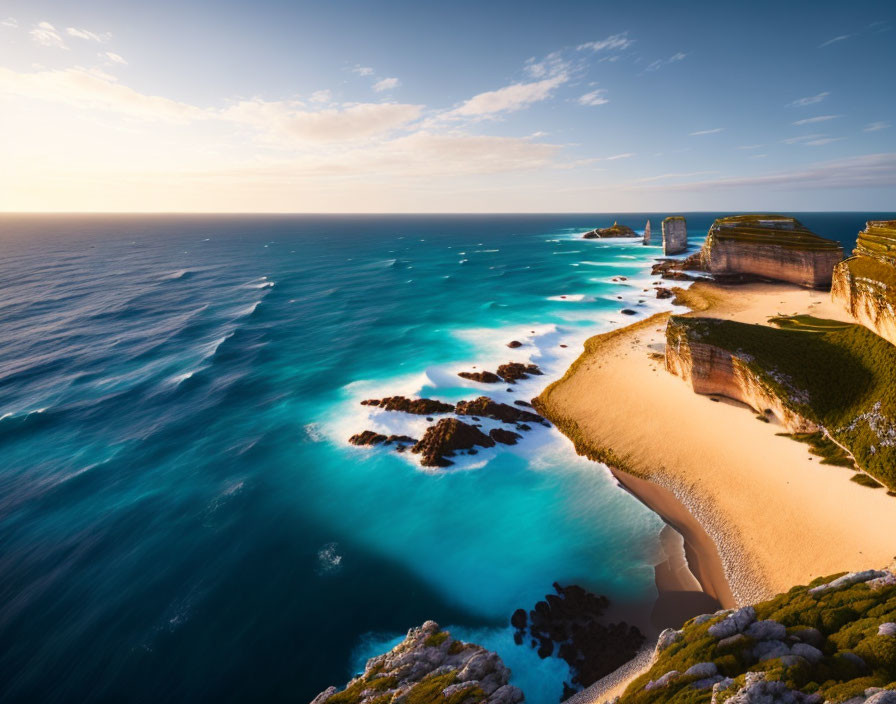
{"x": 772, "y": 247}
{"x": 865, "y": 284}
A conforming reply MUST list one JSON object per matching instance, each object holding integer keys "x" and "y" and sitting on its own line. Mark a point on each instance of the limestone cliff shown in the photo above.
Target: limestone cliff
{"x": 675, "y": 235}
{"x": 866, "y": 282}
{"x": 426, "y": 667}
{"x": 711, "y": 369}
{"x": 770, "y": 247}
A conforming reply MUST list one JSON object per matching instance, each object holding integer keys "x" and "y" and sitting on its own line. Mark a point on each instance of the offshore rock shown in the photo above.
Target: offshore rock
{"x": 647, "y": 233}
{"x": 865, "y": 284}
{"x": 482, "y": 377}
{"x": 772, "y": 247}
{"x": 441, "y": 440}
{"x": 487, "y": 408}
{"x": 615, "y": 230}
{"x": 505, "y": 437}
{"x": 369, "y": 437}
{"x": 417, "y": 406}
{"x": 430, "y": 666}
{"x": 675, "y": 235}
{"x": 513, "y": 371}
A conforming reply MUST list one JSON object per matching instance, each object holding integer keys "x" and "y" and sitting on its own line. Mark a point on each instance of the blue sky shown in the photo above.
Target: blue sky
{"x": 443, "y": 107}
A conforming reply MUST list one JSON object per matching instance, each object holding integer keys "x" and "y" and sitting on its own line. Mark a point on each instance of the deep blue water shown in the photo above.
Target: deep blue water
{"x": 181, "y": 518}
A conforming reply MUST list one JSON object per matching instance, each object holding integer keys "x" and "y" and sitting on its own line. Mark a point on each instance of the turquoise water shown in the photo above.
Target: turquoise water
{"x": 181, "y": 517}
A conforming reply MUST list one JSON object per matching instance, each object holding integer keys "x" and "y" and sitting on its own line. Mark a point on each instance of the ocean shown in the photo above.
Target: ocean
{"x": 181, "y": 516}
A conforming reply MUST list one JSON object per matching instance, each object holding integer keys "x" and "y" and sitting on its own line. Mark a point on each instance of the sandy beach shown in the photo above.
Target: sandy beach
{"x": 757, "y": 512}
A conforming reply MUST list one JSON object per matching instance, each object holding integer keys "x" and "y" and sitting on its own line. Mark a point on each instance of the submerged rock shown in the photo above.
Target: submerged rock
{"x": 429, "y": 666}
{"x": 441, "y": 440}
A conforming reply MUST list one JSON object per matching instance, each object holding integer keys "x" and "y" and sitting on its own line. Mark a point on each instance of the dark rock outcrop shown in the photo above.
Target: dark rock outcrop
{"x": 369, "y": 437}
{"x": 505, "y": 437}
{"x": 443, "y": 439}
{"x": 570, "y": 620}
{"x": 513, "y": 371}
{"x": 428, "y": 667}
{"x": 487, "y": 408}
{"x": 417, "y": 406}
{"x": 482, "y": 377}
{"x": 514, "y": 344}
{"x": 615, "y": 230}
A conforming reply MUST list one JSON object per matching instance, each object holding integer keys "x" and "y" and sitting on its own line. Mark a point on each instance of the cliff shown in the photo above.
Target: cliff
{"x": 675, "y": 235}
{"x": 426, "y": 667}
{"x": 615, "y": 230}
{"x": 833, "y": 640}
{"x": 865, "y": 284}
{"x": 770, "y": 247}
{"x": 812, "y": 375}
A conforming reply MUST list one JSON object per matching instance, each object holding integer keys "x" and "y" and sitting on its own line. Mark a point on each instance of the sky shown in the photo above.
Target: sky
{"x": 422, "y": 106}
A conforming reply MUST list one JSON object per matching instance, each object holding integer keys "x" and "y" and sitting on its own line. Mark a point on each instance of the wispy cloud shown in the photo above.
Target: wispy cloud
{"x": 88, "y": 35}
{"x": 509, "y": 98}
{"x": 659, "y": 63}
{"x": 813, "y": 120}
{"x": 627, "y": 155}
{"x": 385, "y": 84}
{"x": 822, "y": 141}
{"x": 812, "y": 140}
{"x": 699, "y": 133}
{"x": 45, "y": 34}
{"x": 876, "y": 126}
{"x": 10, "y": 22}
{"x": 615, "y": 42}
{"x": 595, "y": 97}
{"x": 114, "y": 58}
{"x": 802, "y": 138}
{"x": 675, "y": 175}
{"x": 751, "y": 146}
{"x": 811, "y": 100}
{"x": 362, "y": 70}
{"x": 836, "y": 39}
{"x": 321, "y": 96}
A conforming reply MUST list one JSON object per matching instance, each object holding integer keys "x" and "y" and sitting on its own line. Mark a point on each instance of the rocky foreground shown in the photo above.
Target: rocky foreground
{"x": 833, "y": 640}
{"x": 865, "y": 284}
{"x": 429, "y": 667}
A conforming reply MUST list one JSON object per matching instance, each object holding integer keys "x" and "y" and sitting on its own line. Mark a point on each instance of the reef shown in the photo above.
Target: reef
{"x": 865, "y": 284}
{"x": 429, "y": 667}
{"x": 773, "y": 247}
{"x": 568, "y": 623}
{"x": 833, "y": 640}
{"x": 615, "y": 230}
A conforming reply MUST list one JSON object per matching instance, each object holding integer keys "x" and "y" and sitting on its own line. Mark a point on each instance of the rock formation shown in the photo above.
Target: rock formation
{"x": 443, "y": 439}
{"x": 828, "y": 641}
{"x": 417, "y": 406}
{"x": 646, "y": 233}
{"x": 770, "y": 247}
{"x": 369, "y": 437}
{"x": 675, "y": 235}
{"x": 481, "y": 377}
{"x": 510, "y": 372}
{"x": 570, "y": 620}
{"x": 485, "y": 407}
{"x": 615, "y": 230}
{"x": 429, "y": 667}
{"x": 866, "y": 282}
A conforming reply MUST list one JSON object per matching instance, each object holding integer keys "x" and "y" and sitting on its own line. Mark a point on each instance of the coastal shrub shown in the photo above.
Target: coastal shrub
{"x": 842, "y": 623}
{"x": 436, "y": 639}
{"x": 822, "y": 446}
{"x": 839, "y": 375}
{"x": 865, "y": 480}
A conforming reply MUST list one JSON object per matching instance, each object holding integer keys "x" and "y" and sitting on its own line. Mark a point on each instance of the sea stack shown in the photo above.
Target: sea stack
{"x": 647, "y": 233}
{"x": 866, "y": 282}
{"x": 770, "y": 247}
{"x": 675, "y": 235}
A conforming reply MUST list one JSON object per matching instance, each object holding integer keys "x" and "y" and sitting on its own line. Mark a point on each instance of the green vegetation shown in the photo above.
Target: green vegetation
{"x": 674, "y": 217}
{"x": 777, "y": 230}
{"x": 429, "y": 691}
{"x": 852, "y": 655}
{"x": 822, "y": 446}
{"x": 436, "y": 639}
{"x": 865, "y": 480}
{"x": 840, "y": 376}
{"x": 878, "y": 240}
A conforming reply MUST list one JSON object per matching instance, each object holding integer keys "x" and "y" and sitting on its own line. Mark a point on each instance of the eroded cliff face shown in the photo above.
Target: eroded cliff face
{"x": 770, "y": 247}
{"x": 865, "y": 284}
{"x": 713, "y": 370}
{"x": 675, "y": 235}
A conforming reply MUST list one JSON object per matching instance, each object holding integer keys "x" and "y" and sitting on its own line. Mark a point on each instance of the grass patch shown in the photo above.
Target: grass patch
{"x": 778, "y": 230}
{"x": 840, "y": 376}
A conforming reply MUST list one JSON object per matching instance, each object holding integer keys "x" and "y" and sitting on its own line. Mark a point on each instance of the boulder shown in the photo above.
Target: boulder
{"x": 444, "y": 438}
{"x": 513, "y": 371}
{"x": 505, "y": 437}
